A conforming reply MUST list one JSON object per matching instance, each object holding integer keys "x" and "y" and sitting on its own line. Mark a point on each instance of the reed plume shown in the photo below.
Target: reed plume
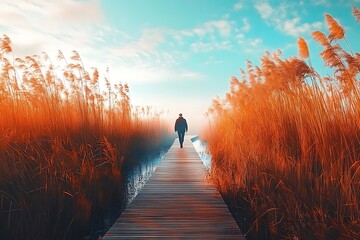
{"x": 303, "y": 48}
{"x": 320, "y": 37}
{"x": 356, "y": 13}
{"x": 336, "y": 31}
{"x": 5, "y": 45}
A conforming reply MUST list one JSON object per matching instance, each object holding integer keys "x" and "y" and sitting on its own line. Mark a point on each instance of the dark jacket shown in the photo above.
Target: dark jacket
{"x": 181, "y": 125}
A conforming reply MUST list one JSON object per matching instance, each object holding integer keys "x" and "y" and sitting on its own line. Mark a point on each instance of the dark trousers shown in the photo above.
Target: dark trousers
{"x": 181, "y": 137}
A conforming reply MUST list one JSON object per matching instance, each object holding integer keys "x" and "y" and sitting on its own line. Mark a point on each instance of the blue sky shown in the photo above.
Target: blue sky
{"x": 176, "y": 55}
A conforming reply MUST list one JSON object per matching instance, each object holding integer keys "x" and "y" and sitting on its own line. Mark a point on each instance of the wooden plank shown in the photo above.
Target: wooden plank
{"x": 177, "y": 203}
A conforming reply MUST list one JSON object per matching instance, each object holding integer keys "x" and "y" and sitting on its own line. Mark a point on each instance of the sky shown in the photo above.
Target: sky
{"x": 176, "y": 55}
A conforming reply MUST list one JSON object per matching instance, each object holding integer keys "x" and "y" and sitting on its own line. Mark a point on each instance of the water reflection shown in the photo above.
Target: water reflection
{"x": 140, "y": 174}
{"x": 136, "y": 174}
{"x": 201, "y": 149}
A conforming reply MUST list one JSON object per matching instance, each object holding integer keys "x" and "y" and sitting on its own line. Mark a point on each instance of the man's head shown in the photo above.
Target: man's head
{"x": 180, "y": 114}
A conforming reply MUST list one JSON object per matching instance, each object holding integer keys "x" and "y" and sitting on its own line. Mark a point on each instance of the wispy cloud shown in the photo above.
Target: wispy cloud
{"x": 238, "y": 6}
{"x": 146, "y": 44}
{"x": 222, "y": 27}
{"x": 294, "y": 28}
{"x": 45, "y": 25}
{"x": 68, "y": 25}
{"x": 213, "y": 61}
{"x": 245, "y": 25}
{"x": 320, "y": 2}
{"x": 285, "y": 19}
{"x": 140, "y": 74}
{"x": 211, "y": 35}
{"x": 207, "y": 47}
{"x": 250, "y": 45}
{"x": 264, "y": 9}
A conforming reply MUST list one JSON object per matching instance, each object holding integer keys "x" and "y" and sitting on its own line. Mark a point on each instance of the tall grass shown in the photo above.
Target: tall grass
{"x": 285, "y": 144}
{"x": 63, "y": 141}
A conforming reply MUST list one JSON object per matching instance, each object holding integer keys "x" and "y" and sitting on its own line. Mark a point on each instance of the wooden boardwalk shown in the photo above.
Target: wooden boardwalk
{"x": 177, "y": 203}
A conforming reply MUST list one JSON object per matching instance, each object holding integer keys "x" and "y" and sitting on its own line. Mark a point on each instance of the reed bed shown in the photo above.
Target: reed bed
{"x": 64, "y": 136}
{"x": 285, "y": 143}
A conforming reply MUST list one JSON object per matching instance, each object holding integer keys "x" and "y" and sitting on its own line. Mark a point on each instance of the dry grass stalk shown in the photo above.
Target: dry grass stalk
{"x": 63, "y": 143}
{"x": 288, "y": 150}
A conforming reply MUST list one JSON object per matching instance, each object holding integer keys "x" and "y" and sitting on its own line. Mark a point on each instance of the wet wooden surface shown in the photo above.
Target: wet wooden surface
{"x": 177, "y": 203}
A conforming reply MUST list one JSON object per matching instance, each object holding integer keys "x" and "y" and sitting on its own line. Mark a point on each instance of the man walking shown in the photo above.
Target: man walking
{"x": 181, "y": 127}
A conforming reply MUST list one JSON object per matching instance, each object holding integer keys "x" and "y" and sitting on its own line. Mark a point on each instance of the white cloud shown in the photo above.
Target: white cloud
{"x": 264, "y": 9}
{"x": 51, "y": 13}
{"x": 139, "y": 74}
{"x": 211, "y": 35}
{"x": 255, "y": 42}
{"x": 202, "y": 47}
{"x": 292, "y": 27}
{"x": 222, "y": 26}
{"x": 320, "y": 2}
{"x": 238, "y": 6}
{"x": 49, "y": 25}
{"x": 201, "y": 31}
{"x": 37, "y": 26}
{"x": 246, "y": 25}
{"x": 285, "y": 19}
{"x": 189, "y": 75}
{"x": 213, "y": 61}
{"x": 207, "y": 47}
{"x": 250, "y": 45}
{"x": 76, "y": 11}
{"x": 146, "y": 44}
